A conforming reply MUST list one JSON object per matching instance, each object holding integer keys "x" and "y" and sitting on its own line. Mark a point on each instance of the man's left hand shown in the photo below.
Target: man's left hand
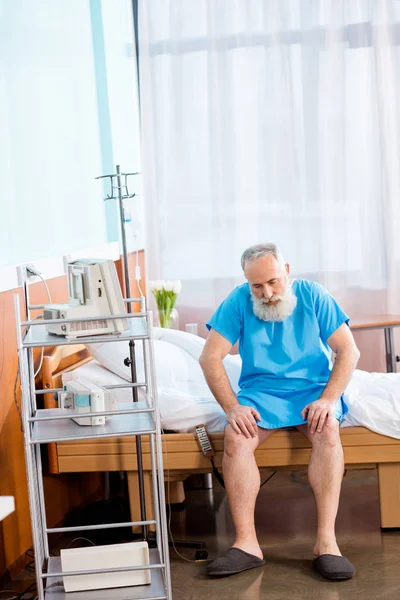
{"x": 319, "y": 414}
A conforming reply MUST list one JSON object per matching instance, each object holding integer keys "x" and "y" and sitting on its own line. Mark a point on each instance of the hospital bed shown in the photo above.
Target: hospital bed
{"x": 288, "y": 450}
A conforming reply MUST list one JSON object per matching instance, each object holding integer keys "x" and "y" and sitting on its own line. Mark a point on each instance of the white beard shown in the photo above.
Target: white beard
{"x": 275, "y": 312}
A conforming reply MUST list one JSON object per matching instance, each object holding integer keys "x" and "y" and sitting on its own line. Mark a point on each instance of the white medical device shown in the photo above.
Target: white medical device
{"x": 94, "y": 290}
{"x": 79, "y": 397}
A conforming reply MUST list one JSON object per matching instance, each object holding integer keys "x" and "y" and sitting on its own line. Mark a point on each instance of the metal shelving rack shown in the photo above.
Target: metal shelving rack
{"x": 42, "y": 426}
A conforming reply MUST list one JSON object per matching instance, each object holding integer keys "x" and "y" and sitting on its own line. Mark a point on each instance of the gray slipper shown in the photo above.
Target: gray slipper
{"x": 234, "y": 561}
{"x": 333, "y": 567}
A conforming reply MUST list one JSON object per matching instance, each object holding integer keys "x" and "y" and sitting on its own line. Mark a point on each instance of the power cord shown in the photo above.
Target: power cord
{"x": 268, "y": 478}
{"x": 30, "y": 552}
{"x": 22, "y": 595}
{"x": 31, "y": 567}
{"x": 138, "y": 277}
{"x": 16, "y": 384}
{"x": 170, "y": 513}
{"x": 81, "y": 538}
{"x": 16, "y": 401}
{"x": 217, "y": 474}
{"x": 31, "y": 272}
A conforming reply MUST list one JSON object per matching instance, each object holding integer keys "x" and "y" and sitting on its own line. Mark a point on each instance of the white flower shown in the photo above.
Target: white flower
{"x": 158, "y": 285}
{"x": 161, "y": 285}
{"x": 177, "y": 286}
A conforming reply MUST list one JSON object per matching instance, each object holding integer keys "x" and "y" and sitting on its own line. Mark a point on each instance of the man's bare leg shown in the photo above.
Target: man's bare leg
{"x": 325, "y": 474}
{"x": 242, "y": 484}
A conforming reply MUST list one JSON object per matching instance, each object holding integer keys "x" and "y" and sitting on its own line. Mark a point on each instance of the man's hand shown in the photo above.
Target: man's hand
{"x": 319, "y": 414}
{"x": 242, "y": 419}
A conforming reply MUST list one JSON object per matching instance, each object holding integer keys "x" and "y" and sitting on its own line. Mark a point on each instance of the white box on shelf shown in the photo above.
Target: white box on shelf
{"x": 132, "y": 554}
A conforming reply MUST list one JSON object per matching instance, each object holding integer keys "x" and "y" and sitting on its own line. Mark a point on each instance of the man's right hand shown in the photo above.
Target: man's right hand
{"x": 242, "y": 419}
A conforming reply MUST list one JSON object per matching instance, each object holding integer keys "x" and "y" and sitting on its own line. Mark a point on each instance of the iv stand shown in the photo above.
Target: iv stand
{"x": 131, "y": 361}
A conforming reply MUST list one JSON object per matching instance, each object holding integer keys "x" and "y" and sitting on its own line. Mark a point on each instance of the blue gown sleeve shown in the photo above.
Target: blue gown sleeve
{"x": 227, "y": 319}
{"x": 328, "y": 312}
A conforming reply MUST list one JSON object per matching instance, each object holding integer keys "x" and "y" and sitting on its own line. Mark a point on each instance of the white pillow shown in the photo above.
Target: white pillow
{"x": 175, "y": 368}
{"x": 93, "y": 372}
{"x": 185, "y": 399}
{"x": 193, "y": 344}
{"x": 183, "y": 394}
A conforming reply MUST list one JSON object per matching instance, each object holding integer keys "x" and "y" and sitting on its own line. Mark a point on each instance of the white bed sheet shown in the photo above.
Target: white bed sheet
{"x": 185, "y": 400}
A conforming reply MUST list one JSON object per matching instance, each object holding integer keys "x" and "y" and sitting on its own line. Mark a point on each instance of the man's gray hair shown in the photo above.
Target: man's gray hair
{"x": 261, "y": 250}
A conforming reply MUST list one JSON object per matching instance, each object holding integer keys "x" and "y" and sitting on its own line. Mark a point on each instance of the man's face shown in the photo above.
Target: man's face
{"x": 272, "y": 295}
{"x": 267, "y": 278}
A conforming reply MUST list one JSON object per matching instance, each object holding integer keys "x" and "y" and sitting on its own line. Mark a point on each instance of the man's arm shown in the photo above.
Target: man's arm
{"x": 241, "y": 418}
{"x": 321, "y": 412}
{"x": 347, "y": 355}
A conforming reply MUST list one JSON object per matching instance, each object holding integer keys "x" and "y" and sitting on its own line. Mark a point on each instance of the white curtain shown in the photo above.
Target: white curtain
{"x": 272, "y": 120}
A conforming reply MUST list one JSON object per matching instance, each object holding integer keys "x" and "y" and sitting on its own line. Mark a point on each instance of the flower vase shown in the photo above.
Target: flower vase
{"x": 168, "y": 319}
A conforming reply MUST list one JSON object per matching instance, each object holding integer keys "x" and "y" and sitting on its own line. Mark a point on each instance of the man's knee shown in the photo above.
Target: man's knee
{"x": 237, "y": 444}
{"x": 328, "y": 437}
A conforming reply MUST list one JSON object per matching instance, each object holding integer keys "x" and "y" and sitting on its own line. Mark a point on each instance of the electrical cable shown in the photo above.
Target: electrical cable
{"x": 137, "y": 273}
{"x": 40, "y": 364}
{"x": 170, "y": 511}
{"x": 268, "y": 478}
{"x": 217, "y": 474}
{"x": 30, "y": 589}
{"x": 33, "y": 271}
{"x": 30, "y": 269}
{"x": 16, "y": 383}
{"x": 30, "y": 566}
{"x": 16, "y": 401}
{"x": 21, "y": 595}
{"x": 53, "y": 585}
{"x": 81, "y": 538}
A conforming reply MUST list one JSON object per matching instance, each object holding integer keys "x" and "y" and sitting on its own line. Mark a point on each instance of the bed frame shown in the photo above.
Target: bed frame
{"x": 182, "y": 456}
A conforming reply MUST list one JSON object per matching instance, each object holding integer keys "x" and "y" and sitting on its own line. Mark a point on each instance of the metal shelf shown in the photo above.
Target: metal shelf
{"x": 56, "y": 425}
{"x": 156, "y": 590}
{"x": 38, "y": 336}
{"x": 116, "y": 426}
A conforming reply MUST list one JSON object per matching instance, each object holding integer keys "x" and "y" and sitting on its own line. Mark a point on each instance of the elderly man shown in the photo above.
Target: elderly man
{"x": 286, "y": 331}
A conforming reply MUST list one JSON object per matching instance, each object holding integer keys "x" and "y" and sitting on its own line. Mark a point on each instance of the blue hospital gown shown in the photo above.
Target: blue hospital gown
{"x": 286, "y": 364}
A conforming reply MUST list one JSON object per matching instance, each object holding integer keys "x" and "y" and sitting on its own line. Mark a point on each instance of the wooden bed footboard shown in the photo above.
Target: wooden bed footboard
{"x": 283, "y": 450}
{"x": 182, "y": 457}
